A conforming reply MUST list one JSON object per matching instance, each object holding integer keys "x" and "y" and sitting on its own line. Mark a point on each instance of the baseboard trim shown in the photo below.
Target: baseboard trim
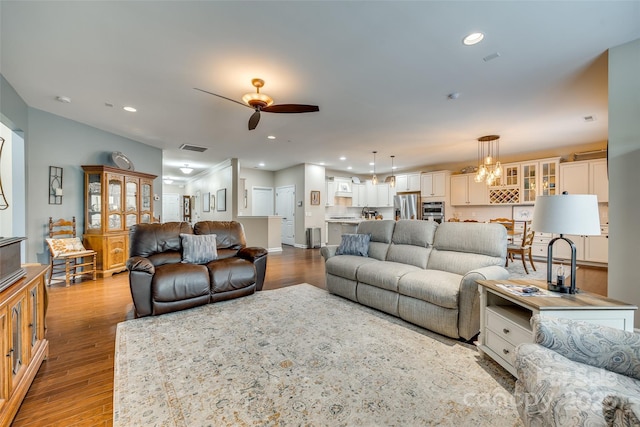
{"x": 276, "y": 249}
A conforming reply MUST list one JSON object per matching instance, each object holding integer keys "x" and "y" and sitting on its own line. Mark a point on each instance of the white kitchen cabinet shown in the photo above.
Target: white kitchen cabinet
{"x": 586, "y": 177}
{"x": 588, "y": 248}
{"x": 539, "y": 178}
{"x": 434, "y": 184}
{"x": 407, "y": 182}
{"x": 359, "y": 195}
{"x": 465, "y": 191}
{"x": 378, "y": 195}
{"x": 331, "y": 192}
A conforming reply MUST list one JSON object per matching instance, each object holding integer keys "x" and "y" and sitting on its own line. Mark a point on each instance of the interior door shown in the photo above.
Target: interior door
{"x": 285, "y": 207}
{"x": 171, "y": 207}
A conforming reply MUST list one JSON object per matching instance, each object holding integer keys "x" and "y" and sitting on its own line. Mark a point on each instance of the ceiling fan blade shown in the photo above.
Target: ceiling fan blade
{"x": 223, "y": 97}
{"x": 291, "y": 108}
{"x": 254, "y": 119}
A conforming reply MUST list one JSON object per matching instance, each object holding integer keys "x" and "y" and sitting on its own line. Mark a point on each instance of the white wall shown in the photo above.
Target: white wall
{"x": 253, "y": 178}
{"x": 209, "y": 182}
{"x": 314, "y": 180}
{"x": 624, "y": 173}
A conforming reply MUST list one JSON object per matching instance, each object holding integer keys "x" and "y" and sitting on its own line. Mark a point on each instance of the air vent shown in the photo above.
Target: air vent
{"x": 190, "y": 147}
{"x": 490, "y": 57}
{"x": 589, "y": 118}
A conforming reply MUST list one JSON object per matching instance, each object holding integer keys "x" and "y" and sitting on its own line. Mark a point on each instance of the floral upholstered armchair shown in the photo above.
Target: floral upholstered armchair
{"x": 578, "y": 374}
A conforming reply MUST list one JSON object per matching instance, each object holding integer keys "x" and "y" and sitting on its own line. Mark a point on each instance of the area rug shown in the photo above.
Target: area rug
{"x": 516, "y": 270}
{"x": 300, "y": 356}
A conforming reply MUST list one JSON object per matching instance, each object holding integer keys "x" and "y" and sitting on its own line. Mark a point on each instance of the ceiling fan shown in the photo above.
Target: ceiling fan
{"x": 262, "y": 102}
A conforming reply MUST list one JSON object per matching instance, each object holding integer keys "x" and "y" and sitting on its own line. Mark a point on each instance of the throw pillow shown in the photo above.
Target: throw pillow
{"x": 354, "y": 244}
{"x": 64, "y": 246}
{"x": 198, "y": 248}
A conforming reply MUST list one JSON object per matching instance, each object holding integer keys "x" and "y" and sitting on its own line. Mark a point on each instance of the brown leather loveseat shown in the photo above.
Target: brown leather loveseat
{"x": 174, "y": 266}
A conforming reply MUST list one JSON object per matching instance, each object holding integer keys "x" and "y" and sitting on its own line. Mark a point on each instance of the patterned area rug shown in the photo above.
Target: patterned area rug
{"x": 516, "y": 270}
{"x": 301, "y": 356}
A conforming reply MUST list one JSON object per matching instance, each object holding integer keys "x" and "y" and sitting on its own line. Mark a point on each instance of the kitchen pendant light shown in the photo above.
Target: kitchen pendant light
{"x": 392, "y": 181}
{"x": 489, "y": 167}
{"x": 374, "y": 178}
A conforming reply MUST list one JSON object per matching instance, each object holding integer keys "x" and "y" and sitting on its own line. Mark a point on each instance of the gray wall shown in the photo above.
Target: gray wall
{"x": 52, "y": 140}
{"x": 624, "y": 173}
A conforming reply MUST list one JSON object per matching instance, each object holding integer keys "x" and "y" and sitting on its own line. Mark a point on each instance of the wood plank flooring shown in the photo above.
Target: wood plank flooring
{"x": 74, "y": 386}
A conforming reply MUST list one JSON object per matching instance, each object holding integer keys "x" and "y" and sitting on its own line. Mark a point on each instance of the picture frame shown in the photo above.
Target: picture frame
{"x": 523, "y": 213}
{"x": 315, "y": 197}
{"x": 221, "y": 195}
{"x": 206, "y": 202}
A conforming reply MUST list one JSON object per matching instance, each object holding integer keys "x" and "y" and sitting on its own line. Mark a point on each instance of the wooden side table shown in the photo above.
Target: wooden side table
{"x": 505, "y": 317}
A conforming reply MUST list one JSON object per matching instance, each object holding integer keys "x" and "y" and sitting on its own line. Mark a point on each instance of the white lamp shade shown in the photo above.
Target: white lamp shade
{"x": 567, "y": 214}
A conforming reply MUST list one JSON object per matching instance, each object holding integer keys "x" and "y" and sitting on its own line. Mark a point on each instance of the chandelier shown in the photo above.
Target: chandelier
{"x": 489, "y": 167}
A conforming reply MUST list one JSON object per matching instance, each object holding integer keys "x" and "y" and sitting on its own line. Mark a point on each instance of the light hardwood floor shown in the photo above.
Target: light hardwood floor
{"x": 74, "y": 387}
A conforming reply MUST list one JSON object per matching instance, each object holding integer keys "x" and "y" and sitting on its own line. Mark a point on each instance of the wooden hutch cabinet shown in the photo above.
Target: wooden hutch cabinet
{"x": 115, "y": 199}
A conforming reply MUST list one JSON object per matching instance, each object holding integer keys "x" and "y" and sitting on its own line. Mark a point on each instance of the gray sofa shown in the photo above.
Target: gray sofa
{"x": 578, "y": 374}
{"x": 422, "y": 272}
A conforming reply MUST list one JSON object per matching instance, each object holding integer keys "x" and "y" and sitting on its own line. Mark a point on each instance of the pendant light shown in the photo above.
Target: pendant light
{"x": 489, "y": 167}
{"x": 186, "y": 169}
{"x": 392, "y": 181}
{"x": 374, "y": 178}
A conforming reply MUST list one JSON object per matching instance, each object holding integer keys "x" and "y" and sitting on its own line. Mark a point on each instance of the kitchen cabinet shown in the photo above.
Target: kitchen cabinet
{"x": 379, "y": 195}
{"x": 588, "y": 248}
{"x": 331, "y": 193}
{"x": 359, "y": 195}
{"x": 434, "y": 184}
{"x": 586, "y": 177}
{"x": 23, "y": 342}
{"x": 466, "y": 192}
{"x": 408, "y": 182}
{"x": 539, "y": 178}
{"x": 115, "y": 200}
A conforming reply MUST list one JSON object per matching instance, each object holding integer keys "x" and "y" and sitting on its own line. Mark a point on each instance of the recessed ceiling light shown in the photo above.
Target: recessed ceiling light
{"x": 321, "y": 163}
{"x": 130, "y": 109}
{"x": 168, "y": 181}
{"x": 472, "y": 39}
{"x": 343, "y": 158}
{"x": 349, "y": 168}
{"x": 261, "y": 164}
{"x": 394, "y": 168}
{"x": 371, "y": 163}
{"x": 64, "y": 99}
{"x": 271, "y": 137}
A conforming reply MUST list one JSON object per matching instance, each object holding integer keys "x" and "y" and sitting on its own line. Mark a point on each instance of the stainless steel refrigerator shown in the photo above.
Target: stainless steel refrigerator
{"x": 407, "y": 206}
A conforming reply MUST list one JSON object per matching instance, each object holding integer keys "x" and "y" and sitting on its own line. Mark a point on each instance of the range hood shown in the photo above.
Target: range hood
{"x": 343, "y": 194}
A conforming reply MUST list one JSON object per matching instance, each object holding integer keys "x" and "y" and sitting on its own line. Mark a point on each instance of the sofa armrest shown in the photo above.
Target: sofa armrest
{"x": 601, "y": 346}
{"x": 328, "y": 251}
{"x": 142, "y": 264}
{"x": 469, "y": 298}
{"x": 621, "y": 410}
{"x": 252, "y": 253}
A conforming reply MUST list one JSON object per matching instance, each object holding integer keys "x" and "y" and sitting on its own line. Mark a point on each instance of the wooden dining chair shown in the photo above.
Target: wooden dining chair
{"x": 523, "y": 249}
{"x": 509, "y": 224}
{"x": 68, "y": 254}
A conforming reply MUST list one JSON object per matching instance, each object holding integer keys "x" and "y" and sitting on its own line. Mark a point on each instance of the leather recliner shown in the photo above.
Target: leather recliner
{"x": 161, "y": 282}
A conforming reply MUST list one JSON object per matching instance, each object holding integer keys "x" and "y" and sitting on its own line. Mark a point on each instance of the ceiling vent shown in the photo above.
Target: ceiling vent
{"x": 492, "y": 56}
{"x": 190, "y": 147}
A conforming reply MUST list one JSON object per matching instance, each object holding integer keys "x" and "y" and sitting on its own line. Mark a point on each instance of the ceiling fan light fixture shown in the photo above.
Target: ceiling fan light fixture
{"x": 186, "y": 169}
{"x": 257, "y": 100}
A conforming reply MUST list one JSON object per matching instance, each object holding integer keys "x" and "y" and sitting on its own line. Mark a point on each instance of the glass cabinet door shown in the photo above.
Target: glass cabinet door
{"x": 94, "y": 201}
{"x": 548, "y": 178}
{"x": 131, "y": 202}
{"x": 529, "y": 183}
{"x": 145, "y": 202}
{"x": 114, "y": 199}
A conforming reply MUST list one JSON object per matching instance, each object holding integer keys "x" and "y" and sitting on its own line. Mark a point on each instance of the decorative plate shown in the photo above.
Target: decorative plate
{"x": 122, "y": 161}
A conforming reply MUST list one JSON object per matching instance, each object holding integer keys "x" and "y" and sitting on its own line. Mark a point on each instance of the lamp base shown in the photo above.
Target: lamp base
{"x": 560, "y": 289}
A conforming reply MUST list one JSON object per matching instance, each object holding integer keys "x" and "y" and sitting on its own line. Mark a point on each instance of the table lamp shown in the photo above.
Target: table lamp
{"x": 565, "y": 214}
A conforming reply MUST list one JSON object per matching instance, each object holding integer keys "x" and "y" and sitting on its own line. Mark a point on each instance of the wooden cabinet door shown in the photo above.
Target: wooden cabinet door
{"x": 439, "y": 184}
{"x": 597, "y": 248}
{"x": 402, "y": 183}
{"x": 478, "y": 192}
{"x": 574, "y": 177}
{"x": 116, "y": 252}
{"x": 413, "y": 182}
{"x": 5, "y": 347}
{"x": 599, "y": 180}
{"x": 459, "y": 190}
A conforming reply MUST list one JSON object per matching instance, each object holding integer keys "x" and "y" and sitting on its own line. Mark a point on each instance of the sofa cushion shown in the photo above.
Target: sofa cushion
{"x": 230, "y": 234}
{"x": 411, "y": 241}
{"x": 148, "y": 239}
{"x": 381, "y": 232}
{"x": 354, "y": 244}
{"x": 198, "y": 249}
{"x": 384, "y": 274}
{"x": 231, "y": 274}
{"x": 175, "y": 282}
{"x": 472, "y": 237}
{"x": 346, "y": 265}
{"x": 434, "y": 286}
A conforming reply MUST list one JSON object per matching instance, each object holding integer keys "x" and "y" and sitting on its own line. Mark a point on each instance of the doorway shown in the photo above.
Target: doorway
{"x": 285, "y": 207}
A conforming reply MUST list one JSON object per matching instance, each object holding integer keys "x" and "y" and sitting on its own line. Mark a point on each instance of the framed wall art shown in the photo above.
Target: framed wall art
{"x": 206, "y": 202}
{"x": 315, "y": 197}
{"x": 221, "y": 195}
